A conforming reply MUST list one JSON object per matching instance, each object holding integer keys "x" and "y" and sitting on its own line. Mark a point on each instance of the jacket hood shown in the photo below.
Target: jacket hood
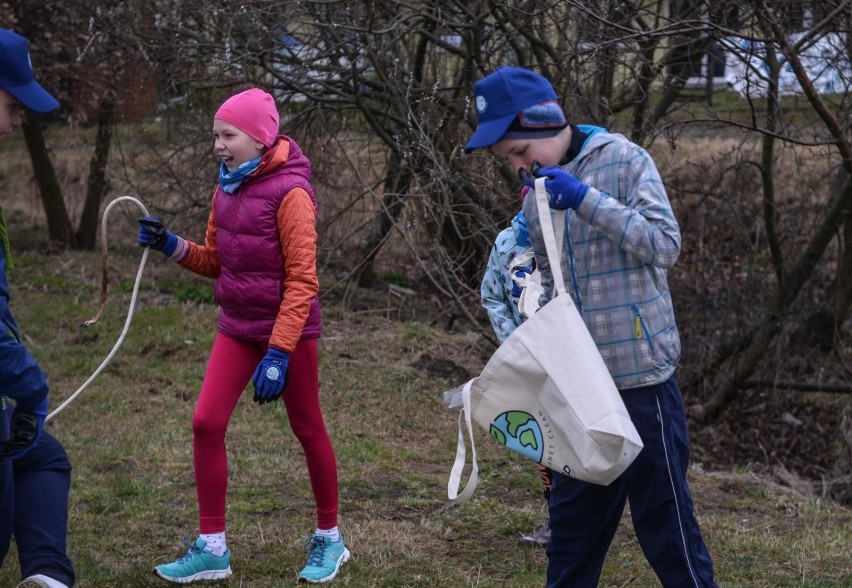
{"x": 284, "y": 153}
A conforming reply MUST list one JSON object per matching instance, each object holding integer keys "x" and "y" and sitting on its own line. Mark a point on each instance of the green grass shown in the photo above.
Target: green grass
{"x": 133, "y": 493}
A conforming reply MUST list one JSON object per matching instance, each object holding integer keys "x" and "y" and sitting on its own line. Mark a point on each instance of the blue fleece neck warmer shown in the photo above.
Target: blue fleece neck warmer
{"x": 230, "y": 181}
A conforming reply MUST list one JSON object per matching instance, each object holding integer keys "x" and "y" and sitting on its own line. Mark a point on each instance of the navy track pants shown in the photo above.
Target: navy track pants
{"x": 34, "y": 506}
{"x": 584, "y": 517}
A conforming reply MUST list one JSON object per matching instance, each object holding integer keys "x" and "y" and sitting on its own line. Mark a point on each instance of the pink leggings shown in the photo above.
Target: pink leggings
{"x": 229, "y": 369}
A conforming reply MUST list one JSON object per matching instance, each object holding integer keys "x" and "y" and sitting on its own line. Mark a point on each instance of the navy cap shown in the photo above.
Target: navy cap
{"x": 16, "y": 73}
{"x": 500, "y": 96}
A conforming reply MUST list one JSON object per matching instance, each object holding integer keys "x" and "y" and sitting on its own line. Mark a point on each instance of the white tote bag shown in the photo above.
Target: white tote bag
{"x": 546, "y": 392}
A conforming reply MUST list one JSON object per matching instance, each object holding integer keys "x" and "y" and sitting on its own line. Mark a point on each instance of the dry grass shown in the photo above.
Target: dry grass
{"x": 130, "y": 441}
{"x": 129, "y": 435}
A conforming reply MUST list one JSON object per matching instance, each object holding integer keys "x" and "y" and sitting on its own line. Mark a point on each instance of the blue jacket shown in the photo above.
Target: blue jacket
{"x": 496, "y": 295}
{"x": 21, "y": 378}
{"x": 617, "y": 248}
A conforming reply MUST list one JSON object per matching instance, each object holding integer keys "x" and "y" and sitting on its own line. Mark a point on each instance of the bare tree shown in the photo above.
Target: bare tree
{"x": 379, "y": 94}
{"x": 85, "y": 63}
{"x": 737, "y": 361}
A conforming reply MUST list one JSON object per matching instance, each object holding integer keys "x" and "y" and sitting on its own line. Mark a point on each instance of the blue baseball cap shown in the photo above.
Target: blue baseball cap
{"x": 500, "y": 96}
{"x": 16, "y": 73}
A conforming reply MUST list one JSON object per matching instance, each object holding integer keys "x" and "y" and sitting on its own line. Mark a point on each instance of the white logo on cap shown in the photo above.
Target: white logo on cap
{"x": 481, "y": 103}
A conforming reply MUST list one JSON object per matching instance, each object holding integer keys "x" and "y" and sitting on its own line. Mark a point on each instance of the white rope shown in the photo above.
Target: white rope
{"x": 89, "y": 323}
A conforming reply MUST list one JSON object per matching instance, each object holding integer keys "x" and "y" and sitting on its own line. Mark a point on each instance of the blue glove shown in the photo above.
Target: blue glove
{"x": 521, "y": 273}
{"x": 27, "y": 426}
{"x": 153, "y": 234}
{"x": 563, "y": 189}
{"x": 270, "y": 376}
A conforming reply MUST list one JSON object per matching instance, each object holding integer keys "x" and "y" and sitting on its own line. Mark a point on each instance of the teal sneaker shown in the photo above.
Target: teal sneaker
{"x": 324, "y": 561}
{"x": 196, "y": 564}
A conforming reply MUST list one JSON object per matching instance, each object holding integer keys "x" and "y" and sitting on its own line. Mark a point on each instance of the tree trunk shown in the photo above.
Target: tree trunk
{"x": 642, "y": 94}
{"x": 603, "y": 87}
{"x": 87, "y": 231}
{"x": 823, "y": 326}
{"x": 58, "y": 223}
{"x": 732, "y": 375}
{"x": 396, "y": 182}
{"x": 843, "y": 279}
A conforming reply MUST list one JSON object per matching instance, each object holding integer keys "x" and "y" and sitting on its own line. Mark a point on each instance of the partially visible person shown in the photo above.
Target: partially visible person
{"x": 261, "y": 248}
{"x": 510, "y": 265}
{"x": 35, "y": 474}
{"x": 620, "y": 238}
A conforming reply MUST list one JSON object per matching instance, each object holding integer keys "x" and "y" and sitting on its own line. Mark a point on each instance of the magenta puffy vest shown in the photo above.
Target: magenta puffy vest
{"x": 250, "y": 286}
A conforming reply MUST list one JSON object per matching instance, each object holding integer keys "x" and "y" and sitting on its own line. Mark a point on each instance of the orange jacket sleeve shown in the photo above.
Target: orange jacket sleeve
{"x": 298, "y": 233}
{"x": 204, "y": 260}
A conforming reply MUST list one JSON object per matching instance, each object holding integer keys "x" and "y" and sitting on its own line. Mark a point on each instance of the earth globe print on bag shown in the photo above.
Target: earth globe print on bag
{"x": 519, "y": 431}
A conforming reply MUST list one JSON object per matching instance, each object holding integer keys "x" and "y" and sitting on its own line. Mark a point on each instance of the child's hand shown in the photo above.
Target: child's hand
{"x": 519, "y": 280}
{"x": 563, "y": 189}
{"x": 153, "y": 234}
{"x": 27, "y": 426}
{"x": 270, "y": 376}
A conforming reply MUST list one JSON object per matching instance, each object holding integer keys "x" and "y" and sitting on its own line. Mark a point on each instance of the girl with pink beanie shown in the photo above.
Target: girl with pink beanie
{"x": 261, "y": 248}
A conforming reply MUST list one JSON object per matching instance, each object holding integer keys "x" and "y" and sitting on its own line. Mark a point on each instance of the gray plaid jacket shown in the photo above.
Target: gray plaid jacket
{"x": 618, "y": 246}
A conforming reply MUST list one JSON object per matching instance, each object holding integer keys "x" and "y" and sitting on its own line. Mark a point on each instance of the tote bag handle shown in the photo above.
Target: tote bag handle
{"x": 456, "y": 473}
{"x": 550, "y": 227}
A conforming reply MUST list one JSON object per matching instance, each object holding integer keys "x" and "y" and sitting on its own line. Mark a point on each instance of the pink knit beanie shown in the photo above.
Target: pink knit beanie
{"x": 253, "y": 112}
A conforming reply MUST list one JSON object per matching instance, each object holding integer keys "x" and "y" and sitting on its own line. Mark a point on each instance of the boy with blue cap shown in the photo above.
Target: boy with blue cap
{"x": 621, "y": 236}
{"x": 35, "y": 474}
